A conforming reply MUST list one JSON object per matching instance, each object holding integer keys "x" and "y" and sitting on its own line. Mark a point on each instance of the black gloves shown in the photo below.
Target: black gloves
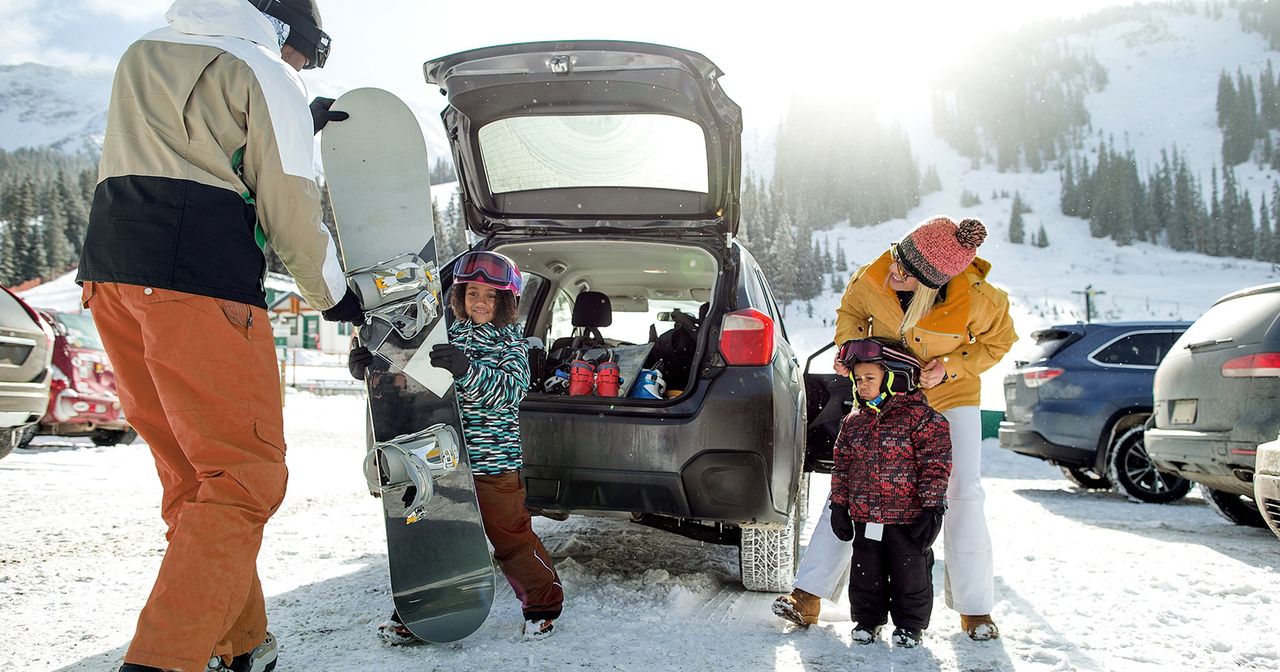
{"x": 346, "y": 309}
{"x": 841, "y": 524}
{"x": 925, "y": 531}
{"x": 448, "y": 356}
{"x": 358, "y": 361}
{"x": 321, "y": 114}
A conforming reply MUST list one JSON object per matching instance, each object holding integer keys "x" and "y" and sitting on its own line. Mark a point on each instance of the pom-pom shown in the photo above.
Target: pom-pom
{"x": 970, "y": 233}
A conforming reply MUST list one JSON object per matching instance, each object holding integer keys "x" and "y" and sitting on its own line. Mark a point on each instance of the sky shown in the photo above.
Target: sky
{"x": 768, "y": 55}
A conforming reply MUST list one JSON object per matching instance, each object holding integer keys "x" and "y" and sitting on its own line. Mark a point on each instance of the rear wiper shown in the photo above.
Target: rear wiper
{"x": 1205, "y": 344}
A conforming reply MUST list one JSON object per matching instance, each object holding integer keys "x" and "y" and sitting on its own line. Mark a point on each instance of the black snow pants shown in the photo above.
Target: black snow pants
{"x": 893, "y": 576}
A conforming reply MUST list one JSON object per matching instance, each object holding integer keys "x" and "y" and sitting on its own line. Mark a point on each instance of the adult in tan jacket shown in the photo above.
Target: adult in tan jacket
{"x": 208, "y": 158}
{"x": 930, "y": 292}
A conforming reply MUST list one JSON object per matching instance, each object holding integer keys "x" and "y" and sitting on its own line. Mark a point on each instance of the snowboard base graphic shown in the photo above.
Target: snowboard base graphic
{"x": 376, "y": 163}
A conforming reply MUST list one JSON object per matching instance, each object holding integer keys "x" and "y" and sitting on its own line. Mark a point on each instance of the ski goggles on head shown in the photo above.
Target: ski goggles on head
{"x": 868, "y": 350}
{"x": 304, "y": 35}
{"x": 488, "y": 268}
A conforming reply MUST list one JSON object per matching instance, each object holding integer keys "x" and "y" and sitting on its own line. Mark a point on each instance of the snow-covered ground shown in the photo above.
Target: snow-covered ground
{"x": 1085, "y": 580}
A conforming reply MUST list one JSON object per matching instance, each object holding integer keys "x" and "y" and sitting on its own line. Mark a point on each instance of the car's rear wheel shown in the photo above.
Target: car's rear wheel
{"x": 767, "y": 556}
{"x": 111, "y": 437}
{"x": 1235, "y": 508}
{"x": 8, "y": 440}
{"x": 1086, "y": 478}
{"x": 1132, "y": 473}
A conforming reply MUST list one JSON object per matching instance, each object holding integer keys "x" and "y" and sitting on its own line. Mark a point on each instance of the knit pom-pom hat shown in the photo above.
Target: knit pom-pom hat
{"x": 939, "y": 249}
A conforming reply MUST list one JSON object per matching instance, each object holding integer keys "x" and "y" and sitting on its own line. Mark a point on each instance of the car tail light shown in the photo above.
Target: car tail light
{"x": 746, "y": 338}
{"x": 1259, "y": 365}
{"x": 1040, "y": 375}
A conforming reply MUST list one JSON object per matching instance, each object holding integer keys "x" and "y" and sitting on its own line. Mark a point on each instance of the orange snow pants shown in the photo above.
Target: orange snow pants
{"x": 197, "y": 379}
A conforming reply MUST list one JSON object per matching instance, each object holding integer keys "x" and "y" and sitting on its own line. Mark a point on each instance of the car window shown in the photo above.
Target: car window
{"x": 561, "y": 317}
{"x": 12, "y": 313}
{"x": 1048, "y": 343}
{"x": 81, "y": 331}
{"x": 1138, "y": 349}
{"x": 779, "y": 331}
{"x": 531, "y": 285}
{"x": 655, "y": 151}
{"x": 633, "y": 327}
{"x": 1244, "y": 320}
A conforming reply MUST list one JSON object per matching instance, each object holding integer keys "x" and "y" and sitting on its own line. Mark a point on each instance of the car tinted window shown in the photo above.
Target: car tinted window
{"x": 780, "y": 331}
{"x": 1048, "y": 344}
{"x": 1244, "y": 320}
{"x": 1139, "y": 349}
{"x": 12, "y": 313}
{"x": 532, "y": 284}
{"x": 81, "y": 331}
{"x": 601, "y": 150}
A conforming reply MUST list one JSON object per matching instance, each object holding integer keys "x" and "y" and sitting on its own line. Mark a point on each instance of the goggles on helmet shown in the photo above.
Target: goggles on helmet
{"x": 871, "y": 350}
{"x": 490, "y": 269}
{"x": 315, "y": 43}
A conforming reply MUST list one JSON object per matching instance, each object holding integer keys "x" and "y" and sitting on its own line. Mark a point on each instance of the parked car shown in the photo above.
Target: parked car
{"x": 1081, "y": 401}
{"x": 26, "y": 347}
{"x": 1217, "y": 396}
{"x": 82, "y": 395}
{"x": 609, "y": 171}
{"x": 1266, "y": 484}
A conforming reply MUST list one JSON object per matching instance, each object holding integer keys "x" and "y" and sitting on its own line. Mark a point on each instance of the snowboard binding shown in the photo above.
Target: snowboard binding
{"x": 404, "y": 292}
{"x": 410, "y": 464}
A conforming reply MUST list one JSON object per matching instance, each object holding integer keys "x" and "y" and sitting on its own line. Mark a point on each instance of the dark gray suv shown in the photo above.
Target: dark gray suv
{"x": 1217, "y": 396}
{"x": 1081, "y": 401}
{"x": 609, "y": 171}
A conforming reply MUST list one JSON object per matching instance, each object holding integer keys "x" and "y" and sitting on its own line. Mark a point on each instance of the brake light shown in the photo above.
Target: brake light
{"x": 1040, "y": 375}
{"x": 1259, "y": 365}
{"x": 746, "y": 338}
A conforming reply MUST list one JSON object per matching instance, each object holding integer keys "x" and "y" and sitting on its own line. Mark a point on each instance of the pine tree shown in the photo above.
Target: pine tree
{"x": 1263, "y": 242}
{"x": 1042, "y": 238}
{"x": 75, "y": 209}
{"x": 28, "y": 250}
{"x": 1245, "y": 235}
{"x": 785, "y": 285}
{"x": 57, "y": 249}
{"x": 1067, "y": 200}
{"x": 1017, "y": 231}
{"x": 842, "y": 265}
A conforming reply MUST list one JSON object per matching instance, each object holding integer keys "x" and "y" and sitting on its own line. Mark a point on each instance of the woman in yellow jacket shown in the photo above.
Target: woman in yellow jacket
{"x": 930, "y": 292}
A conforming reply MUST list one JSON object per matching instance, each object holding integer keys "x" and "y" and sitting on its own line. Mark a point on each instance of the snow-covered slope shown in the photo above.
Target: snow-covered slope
{"x": 43, "y": 106}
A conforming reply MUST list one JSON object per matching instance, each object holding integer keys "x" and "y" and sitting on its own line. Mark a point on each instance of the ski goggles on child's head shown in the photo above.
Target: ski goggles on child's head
{"x": 490, "y": 269}
{"x": 869, "y": 350}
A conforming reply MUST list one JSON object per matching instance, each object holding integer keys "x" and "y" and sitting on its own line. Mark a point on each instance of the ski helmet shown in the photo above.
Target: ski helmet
{"x": 305, "y": 28}
{"x": 902, "y": 369}
{"x": 490, "y": 269}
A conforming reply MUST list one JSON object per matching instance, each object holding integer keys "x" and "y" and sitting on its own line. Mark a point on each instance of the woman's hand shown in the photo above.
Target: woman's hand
{"x": 841, "y": 369}
{"x": 933, "y": 373}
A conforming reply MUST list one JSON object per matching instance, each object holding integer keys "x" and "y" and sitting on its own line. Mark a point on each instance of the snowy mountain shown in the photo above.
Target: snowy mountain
{"x": 44, "y": 106}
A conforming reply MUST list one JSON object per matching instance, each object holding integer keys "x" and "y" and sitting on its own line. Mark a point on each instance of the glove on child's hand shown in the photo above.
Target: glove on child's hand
{"x": 841, "y": 524}
{"x": 451, "y": 358}
{"x": 925, "y": 531}
{"x": 358, "y": 361}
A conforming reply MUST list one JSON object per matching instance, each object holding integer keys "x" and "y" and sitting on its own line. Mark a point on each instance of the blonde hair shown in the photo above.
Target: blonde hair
{"x": 921, "y": 301}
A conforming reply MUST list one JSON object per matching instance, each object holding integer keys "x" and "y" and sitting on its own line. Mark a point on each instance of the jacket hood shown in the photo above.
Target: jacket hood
{"x": 222, "y": 18}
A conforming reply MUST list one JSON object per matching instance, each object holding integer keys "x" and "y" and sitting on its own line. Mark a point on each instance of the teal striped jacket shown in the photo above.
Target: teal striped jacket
{"x": 490, "y": 393}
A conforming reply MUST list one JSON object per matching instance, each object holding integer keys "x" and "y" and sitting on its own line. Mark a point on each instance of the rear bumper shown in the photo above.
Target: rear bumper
{"x": 726, "y": 458}
{"x": 27, "y": 400}
{"x": 1028, "y": 442}
{"x": 1211, "y": 458}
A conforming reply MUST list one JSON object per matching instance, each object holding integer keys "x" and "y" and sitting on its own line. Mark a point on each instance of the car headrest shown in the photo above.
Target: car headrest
{"x": 592, "y": 309}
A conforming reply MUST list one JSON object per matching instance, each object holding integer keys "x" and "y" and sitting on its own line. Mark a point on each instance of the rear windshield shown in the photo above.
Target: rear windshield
{"x": 81, "y": 331}
{"x": 609, "y": 150}
{"x": 1048, "y": 343}
{"x": 1244, "y": 320}
{"x": 12, "y": 313}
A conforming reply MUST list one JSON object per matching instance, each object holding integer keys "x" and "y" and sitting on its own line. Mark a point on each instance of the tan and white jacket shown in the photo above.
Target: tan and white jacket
{"x": 208, "y": 157}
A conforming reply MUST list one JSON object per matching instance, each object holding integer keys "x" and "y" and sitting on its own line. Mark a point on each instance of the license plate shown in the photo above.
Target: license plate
{"x": 1183, "y": 412}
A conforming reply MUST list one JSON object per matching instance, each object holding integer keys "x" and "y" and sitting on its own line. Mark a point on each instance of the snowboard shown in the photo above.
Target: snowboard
{"x": 376, "y": 168}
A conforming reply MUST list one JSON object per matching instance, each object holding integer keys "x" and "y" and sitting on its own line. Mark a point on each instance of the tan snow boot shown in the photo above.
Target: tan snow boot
{"x": 799, "y": 607}
{"x": 979, "y": 628}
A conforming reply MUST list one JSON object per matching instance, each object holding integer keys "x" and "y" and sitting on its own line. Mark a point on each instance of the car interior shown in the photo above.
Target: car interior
{"x": 638, "y": 304}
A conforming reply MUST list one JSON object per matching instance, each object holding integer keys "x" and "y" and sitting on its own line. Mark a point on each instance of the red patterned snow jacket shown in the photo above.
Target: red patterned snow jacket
{"x": 892, "y": 464}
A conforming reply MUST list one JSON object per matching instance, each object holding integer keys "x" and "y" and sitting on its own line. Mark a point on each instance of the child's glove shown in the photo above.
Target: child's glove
{"x": 451, "y": 358}
{"x": 841, "y": 524}
{"x": 925, "y": 531}
{"x": 358, "y": 361}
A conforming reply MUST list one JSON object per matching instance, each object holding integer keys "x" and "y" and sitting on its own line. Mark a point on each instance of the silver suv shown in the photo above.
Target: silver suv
{"x": 26, "y": 348}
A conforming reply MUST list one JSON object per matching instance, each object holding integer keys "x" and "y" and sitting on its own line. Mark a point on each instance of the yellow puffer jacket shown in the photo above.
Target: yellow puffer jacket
{"x": 970, "y": 331}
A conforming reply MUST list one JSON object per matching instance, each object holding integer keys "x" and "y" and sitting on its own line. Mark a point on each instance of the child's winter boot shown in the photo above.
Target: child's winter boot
{"x": 865, "y": 634}
{"x": 907, "y": 638}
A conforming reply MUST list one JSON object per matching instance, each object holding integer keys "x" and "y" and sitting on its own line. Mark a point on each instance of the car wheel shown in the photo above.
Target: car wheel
{"x": 1132, "y": 473}
{"x": 8, "y": 439}
{"x": 767, "y": 556}
{"x": 1235, "y": 508}
{"x": 1086, "y": 478}
{"x": 112, "y": 437}
{"x": 26, "y": 434}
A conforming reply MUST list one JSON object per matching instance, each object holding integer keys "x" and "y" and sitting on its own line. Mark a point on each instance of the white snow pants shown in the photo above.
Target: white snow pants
{"x": 969, "y": 572}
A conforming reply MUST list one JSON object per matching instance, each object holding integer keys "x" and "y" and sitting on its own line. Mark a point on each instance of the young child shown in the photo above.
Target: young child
{"x": 888, "y": 491}
{"x": 488, "y": 358}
